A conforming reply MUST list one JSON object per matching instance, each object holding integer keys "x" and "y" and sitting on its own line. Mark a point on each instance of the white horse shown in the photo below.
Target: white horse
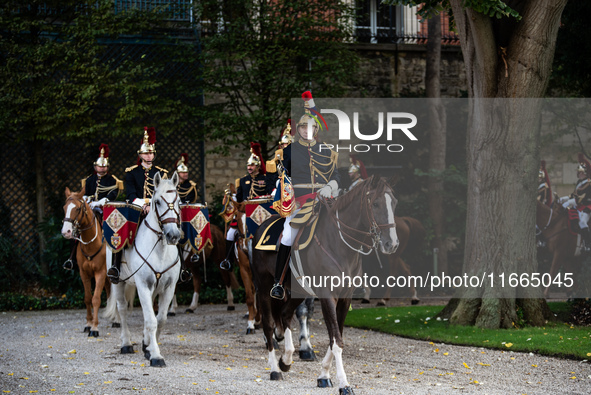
{"x": 153, "y": 266}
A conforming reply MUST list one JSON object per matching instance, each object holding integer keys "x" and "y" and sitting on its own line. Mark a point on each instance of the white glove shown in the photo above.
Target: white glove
{"x": 139, "y": 202}
{"x": 329, "y": 189}
{"x": 93, "y": 204}
{"x": 87, "y": 199}
{"x": 562, "y": 199}
{"x": 569, "y": 202}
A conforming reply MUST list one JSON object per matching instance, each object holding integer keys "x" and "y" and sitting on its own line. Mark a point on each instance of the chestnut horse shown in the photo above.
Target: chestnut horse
{"x": 552, "y": 223}
{"x": 81, "y": 224}
{"x": 363, "y": 217}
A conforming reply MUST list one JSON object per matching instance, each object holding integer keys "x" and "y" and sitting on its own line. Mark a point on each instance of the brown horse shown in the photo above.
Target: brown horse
{"x": 552, "y": 223}
{"x": 411, "y": 235}
{"x": 243, "y": 252}
{"x": 363, "y": 217}
{"x": 81, "y": 224}
{"x": 216, "y": 254}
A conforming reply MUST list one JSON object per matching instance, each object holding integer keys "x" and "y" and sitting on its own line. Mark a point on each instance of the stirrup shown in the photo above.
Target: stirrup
{"x": 185, "y": 275}
{"x": 113, "y": 274}
{"x": 277, "y": 292}
{"x": 225, "y": 265}
{"x": 195, "y": 258}
{"x": 68, "y": 265}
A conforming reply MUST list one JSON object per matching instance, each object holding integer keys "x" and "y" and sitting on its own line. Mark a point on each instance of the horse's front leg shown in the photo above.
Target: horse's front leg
{"x": 99, "y": 279}
{"x": 150, "y": 343}
{"x": 86, "y": 281}
{"x": 122, "y": 308}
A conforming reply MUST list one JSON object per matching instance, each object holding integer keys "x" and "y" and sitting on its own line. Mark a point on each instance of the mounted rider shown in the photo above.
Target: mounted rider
{"x": 253, "y": 185}
{"x": 357, "y": 172}
{"x": 544, "y": 189}
{"x": 314, "y": 171}
{"x": 187, "y": 189}
{"x": 581, "y": 199}
{"x": 98, "y": 189}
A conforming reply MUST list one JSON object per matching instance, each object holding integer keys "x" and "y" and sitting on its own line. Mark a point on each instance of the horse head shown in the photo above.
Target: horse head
{"x": 75, "y": 213}
{"x": 382, "y": 204}
{"x": 165, "y": 206}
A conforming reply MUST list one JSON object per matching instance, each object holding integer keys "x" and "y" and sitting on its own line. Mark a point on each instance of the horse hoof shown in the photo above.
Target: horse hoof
{"x": 365, "y": 301}
{"x": 93, "y": 334}
{"x": 116, "y": 325}
{"x": 231, "y": 308}
{"x": 307, "y": 355}
{"x": 324, "y": 383}
{"x": 86, "y": 329}
{"x": 189, "y": 311}
{"x": 414, "y": 301}
{"x": 275, "y": 376}
{"x": 381, "y": 303}
{"x": 257, "y": 326}
{"x": 346, "y": 391}
{"x": 157, "y": 363}
{"x": 147, "y": 356}
{"x": 283, "y": 366}
{"x": 170, "y": 314}
{"x": 250, "y": 331}
{"x": 127, "y": 350}
{"x": 146, "y": 352}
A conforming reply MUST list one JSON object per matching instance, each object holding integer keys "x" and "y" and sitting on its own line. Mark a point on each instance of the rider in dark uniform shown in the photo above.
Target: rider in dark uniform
{"x": 581, "y": 199}
{"x": 253, "y": 185}
{"x": 312, "y": 167}
{"x": 544, "y": 190}
{"x": 139, "y": 186}
{"x": 99, "y": 188}
{"x": 187, "y": 189}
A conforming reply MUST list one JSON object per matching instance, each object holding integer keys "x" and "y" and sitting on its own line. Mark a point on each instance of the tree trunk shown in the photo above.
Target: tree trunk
{"x": 40, "y": 201}
{"x": 509, "y": 60}
{"x": 437, "y": 139}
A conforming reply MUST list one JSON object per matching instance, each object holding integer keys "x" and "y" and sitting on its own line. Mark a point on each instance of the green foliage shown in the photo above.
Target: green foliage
{"x": 61, "y": 74}
{"x": 257, "y": 56}
{"x": 72, "y": 299}
{"x": 420, "y": 322}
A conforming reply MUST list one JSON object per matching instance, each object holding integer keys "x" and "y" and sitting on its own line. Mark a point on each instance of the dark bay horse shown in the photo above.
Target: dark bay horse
{"x": 81, "y": 224}
{"x": 411, "y": 235}
{"x": 561, "y": 243}
{"x": 362, "y": 218}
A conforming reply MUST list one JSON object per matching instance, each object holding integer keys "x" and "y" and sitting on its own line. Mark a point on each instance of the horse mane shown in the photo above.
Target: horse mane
{"x": 353, "y": 195}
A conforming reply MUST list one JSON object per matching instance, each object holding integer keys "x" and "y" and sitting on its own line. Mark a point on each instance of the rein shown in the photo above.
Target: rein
{"x": 77, "y": 231}
{"x": 160, "y": 234}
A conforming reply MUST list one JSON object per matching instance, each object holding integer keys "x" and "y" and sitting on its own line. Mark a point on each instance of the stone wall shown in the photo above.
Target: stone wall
{"x": 385, "y": 70}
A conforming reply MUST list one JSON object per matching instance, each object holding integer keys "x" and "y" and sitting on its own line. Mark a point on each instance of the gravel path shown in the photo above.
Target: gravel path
{"x": 209, "y": 353}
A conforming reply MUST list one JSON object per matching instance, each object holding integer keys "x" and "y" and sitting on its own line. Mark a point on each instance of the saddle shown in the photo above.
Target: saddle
{"x": 305, "y": 221}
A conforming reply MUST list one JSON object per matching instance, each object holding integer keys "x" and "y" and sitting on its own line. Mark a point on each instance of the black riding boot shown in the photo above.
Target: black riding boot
{"x": 113, "y": 272}
{"x": 586, "y": 235}
{"x": 278, "y": 292}
{"x": 69, "y": 264}
{"x": 185, "y": 274}
{"x": 226, "y": 264}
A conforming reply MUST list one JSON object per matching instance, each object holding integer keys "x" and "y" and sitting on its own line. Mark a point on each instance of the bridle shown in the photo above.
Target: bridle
{"x": 160, "y": 233}
{"x": 375, "y": 229}
{"x": 76, "y": 231}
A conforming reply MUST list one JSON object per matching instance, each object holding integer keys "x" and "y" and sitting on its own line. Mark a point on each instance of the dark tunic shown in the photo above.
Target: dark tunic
{"x": 544, "y": 193}
{"x": 582, "y": 194}
{"x": 187, "y": 191}
{"x": 101, "y": 187}
{"x": 250, "y": 188}
{"x": 139, "y": 181}
{"x": 310, "y": 166}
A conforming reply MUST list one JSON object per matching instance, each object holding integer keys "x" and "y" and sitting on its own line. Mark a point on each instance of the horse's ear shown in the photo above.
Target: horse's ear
{"x": 175, "y": 179}
{"x": 68, "y": 192}
{"x": 157, "y": 180}
{"x": 374, "y": 181}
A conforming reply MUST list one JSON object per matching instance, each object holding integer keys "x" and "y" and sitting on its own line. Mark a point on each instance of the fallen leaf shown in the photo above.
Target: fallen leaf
{"x": 466, "y": 365}
{"x": 508, "y": 345}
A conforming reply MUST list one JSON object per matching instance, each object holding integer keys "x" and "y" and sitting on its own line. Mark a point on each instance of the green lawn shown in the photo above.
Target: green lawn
{"x": 419, "y": 322}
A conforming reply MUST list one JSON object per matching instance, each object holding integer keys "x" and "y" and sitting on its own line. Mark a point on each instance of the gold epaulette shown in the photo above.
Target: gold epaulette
{"x": 119, "y": 183}
{"x": 237, "y": 182}
{"x": 161, "y": 169}
{"x": 130, "y": 168}
{"x": 279, "y": 154}
{"x": 271, "y": 166}
{"x": 83, "y": 183}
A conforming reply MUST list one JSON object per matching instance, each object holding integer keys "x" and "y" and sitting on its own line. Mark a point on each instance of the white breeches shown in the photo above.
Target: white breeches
{"x": 583, "y": 219}
{"x": 231, "y": 235}
{"x": 289, "y": 233}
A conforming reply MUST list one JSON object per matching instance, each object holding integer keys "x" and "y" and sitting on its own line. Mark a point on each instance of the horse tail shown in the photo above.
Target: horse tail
{"x": 416, "y": 236}
{"x": 110, "y": 311}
